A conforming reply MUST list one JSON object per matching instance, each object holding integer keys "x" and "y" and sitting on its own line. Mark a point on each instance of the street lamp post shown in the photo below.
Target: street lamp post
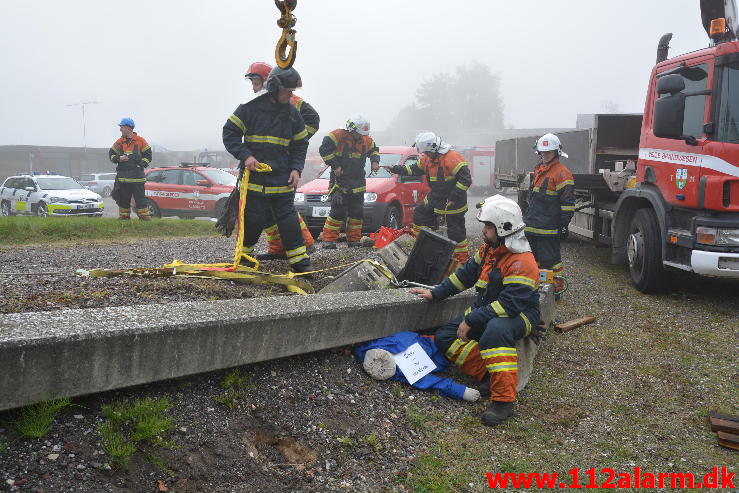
{"x": 84, "y": 131}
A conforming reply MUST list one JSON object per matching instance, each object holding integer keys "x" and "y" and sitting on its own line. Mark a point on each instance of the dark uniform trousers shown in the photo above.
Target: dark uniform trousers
{"x": 425, "y": 216}
{"x": 546, "y": 250}
{"x": 262, "y": 210}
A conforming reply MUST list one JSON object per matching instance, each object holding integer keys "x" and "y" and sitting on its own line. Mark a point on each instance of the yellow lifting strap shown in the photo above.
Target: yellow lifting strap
{"x": 287, "y": 40}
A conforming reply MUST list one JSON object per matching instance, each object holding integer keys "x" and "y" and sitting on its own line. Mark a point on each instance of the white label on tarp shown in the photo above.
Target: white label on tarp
{"x": 414, "y": 363}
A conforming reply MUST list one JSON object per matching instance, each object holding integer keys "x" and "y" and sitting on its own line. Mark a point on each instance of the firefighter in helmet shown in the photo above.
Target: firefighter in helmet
{"x": 482, "y": 342}
{"x": 449, "y": 178}
{"x": 346, "y": 152}
{"x": 551, "y": 205}
{"x": 257, "y": 74}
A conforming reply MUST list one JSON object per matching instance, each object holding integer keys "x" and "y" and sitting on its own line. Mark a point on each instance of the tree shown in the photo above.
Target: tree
{"x": 467, "y": 99}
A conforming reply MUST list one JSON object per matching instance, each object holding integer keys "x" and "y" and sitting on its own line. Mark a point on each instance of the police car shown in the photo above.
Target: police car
{"x": 48, "y": 195}
{"x": 188, "y": 190}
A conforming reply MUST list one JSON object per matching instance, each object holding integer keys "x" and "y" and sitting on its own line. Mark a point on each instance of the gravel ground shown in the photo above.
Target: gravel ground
{"x": 632, "y": 389}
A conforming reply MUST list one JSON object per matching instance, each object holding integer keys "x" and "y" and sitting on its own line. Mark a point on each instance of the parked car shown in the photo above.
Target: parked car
{"x": 188, "y": 191}
{"x": 389, "y": 200}
{"x": 101, "y": 183}
{"x": 48, "y": 195}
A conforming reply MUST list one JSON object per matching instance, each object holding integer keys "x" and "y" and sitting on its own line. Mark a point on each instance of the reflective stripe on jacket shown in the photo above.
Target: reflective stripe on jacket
{"x": 309, "y": 114}
{"x": 506, "y": 283}
{"x": 448, "y": 176}
{"x": 551, "y": 200}
{"x": 274, "y": 134}
{"x": 139, "y": 157}
{"x": 348, "y": 150}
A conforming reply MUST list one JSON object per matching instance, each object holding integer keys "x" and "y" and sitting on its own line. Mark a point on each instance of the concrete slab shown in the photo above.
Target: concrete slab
{"x": 67, "y": 353}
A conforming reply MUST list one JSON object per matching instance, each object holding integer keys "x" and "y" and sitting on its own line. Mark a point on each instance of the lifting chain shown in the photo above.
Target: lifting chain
{"x": 286, "y": 21}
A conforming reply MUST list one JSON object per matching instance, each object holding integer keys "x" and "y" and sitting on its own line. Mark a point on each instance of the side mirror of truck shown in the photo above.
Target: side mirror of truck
{"x": 669, "y": 114}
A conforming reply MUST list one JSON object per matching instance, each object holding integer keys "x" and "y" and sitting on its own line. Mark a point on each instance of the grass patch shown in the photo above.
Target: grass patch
{"x": 127, "y": 425}
{"x": 35, "y": 421}
{"x": 33, "y": 230}
{"x": 232, "y": 383}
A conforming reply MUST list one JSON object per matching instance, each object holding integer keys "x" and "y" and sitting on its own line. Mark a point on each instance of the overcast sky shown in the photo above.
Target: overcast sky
{"x": 177, "y": 67}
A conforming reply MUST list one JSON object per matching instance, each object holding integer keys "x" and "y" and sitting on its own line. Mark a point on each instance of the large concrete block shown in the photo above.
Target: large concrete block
{"x": 67, "y": 353}
{"x": 527, "y": 348}
{"x": 360, "y": 277}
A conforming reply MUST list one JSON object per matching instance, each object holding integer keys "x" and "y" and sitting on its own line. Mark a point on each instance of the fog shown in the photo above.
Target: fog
{"x": 177, "y": 67}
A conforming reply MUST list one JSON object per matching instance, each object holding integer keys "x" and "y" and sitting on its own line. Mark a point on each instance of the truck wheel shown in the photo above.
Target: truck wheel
{"x": 106, "y": 192}
{"x": 5, "y": 208}
{"x": 393, "y": 217}
{"x": 154, "y": 210}
{"x": 644, "y": 250}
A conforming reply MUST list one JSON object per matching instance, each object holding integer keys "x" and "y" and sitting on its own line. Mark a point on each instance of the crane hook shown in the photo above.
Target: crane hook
{"x": 287, "y": 40}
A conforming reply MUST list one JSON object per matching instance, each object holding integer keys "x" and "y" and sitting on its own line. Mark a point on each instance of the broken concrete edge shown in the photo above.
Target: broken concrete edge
{"x": 68, "y": 353}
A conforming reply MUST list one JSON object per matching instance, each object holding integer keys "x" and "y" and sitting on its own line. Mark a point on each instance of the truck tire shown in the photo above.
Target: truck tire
{"x": 42, "y": 209}
{"x": 106, "y": 192}
{"x": 5, "y": 208}
{"x": 644, "y": 250}
{"x": 393, "y": 217}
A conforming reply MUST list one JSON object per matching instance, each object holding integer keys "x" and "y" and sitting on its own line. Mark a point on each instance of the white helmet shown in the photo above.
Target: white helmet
{"x": 503, "y": 213}
{"x": 358, "y": 123}
{"x": 549, "y": 142}
{"x": 430, "y": 142}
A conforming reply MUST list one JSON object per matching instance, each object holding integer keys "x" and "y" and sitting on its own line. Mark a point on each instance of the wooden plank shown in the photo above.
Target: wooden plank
{"x": 724, "y": 425}
{"x": 728, "y": 417}
{"x": 573, "y": 324}
{"x": 728, "y": 440}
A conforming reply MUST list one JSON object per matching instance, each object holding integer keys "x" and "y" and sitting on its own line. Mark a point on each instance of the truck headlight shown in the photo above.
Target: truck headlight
{"x": 727, "y": 236}
{"x": 370, "y": 197}
{"x": 58, "y": 200}
{"x": 299, "y": 197}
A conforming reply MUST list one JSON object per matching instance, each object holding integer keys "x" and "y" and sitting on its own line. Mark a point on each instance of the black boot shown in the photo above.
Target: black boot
{"x": 496, "y": 413}
{"x": 303, "y": 266}
{"x": 484, "y": 387}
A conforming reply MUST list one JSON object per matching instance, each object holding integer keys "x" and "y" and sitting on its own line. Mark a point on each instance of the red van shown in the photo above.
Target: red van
{"x": 389, "y": 200}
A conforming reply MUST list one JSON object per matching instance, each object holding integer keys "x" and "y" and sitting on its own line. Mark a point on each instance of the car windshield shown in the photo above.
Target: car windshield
{"x": 220, "y": 177}
{"x": 385, "y": 160}
{"x": 64, "y": 183}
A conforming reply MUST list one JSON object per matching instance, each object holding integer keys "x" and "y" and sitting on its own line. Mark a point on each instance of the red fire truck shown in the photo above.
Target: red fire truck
{"x": 663, "y": 189}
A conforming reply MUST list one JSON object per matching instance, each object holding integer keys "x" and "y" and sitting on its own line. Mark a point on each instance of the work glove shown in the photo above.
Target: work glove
{"x": 564, "y": 232}
{"x": 538, "y": 333}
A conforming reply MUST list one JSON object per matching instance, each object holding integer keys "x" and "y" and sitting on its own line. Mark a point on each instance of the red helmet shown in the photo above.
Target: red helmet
{"x": 259, "y": 69}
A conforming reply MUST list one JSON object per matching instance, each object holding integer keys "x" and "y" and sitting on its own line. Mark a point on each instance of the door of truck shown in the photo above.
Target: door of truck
{"x": 482, "y": 170}
{"x": 720, "y": 170}
{"x": 674, "y": 165}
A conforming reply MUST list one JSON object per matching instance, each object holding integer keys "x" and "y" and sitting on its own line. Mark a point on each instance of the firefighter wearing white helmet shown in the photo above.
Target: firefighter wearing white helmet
{"x": 551, "y": 205}
{"x": 449, "y": 178}
{"x": 346, "y": 151}
{"x": 482, "y": 342}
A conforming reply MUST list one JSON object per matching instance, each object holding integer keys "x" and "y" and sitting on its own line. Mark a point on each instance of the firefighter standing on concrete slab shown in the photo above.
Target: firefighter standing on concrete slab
{"x": 257, "y": 73}
{"x": 504, "y": 273}
{"x": 449, "y": 178}
{"x": 346, "y": 152}
{"x": 132, "y": 154}
{"x": 551, "y": 205}
{"x": 268, "y": 129}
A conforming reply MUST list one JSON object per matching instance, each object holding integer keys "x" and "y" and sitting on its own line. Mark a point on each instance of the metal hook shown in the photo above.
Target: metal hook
{"x": 283, "y": 59}
{"x": 286, "y": 21}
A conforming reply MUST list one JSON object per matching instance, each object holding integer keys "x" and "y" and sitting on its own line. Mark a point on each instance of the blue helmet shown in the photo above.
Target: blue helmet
{"x": 127, "y": 122}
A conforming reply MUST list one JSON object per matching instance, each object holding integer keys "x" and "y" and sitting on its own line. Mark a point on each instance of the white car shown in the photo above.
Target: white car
{"x": 48, "y": 195}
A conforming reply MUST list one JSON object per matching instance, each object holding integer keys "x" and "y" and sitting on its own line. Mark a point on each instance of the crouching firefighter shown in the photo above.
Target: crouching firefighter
{"x": 268, "y": 129}
{"x": 482, "y": 342}
{"x": 257, "y": 74}
{"x": 346, "y": 152}
{"x": 131, "y": 154}
{"x": 449, "y": 178}
{"x": 551, "y": 205}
